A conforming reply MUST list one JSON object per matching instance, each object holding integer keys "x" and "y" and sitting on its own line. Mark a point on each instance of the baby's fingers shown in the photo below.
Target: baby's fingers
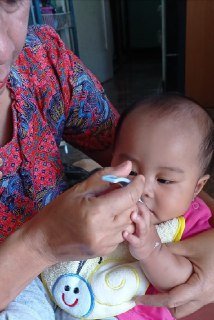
{"x": 130, "y": 238}
{"x": 145, "y": 213}
{"x": 141, "y": 226}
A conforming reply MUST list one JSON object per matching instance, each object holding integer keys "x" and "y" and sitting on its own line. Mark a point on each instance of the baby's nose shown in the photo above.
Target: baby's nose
{"x": 148, "y": 191}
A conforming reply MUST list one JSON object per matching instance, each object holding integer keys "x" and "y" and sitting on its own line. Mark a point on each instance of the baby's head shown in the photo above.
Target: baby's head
{"x": 169, "y": 139}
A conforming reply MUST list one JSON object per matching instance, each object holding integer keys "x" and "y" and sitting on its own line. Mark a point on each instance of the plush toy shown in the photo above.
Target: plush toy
{"x": 103, "y": 287}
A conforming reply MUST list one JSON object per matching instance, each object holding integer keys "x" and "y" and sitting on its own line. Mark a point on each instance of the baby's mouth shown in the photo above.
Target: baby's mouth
{"x": 152, "y": 212}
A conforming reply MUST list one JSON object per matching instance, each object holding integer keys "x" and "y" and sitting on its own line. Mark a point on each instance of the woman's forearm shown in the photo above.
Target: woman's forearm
{"x": 166, "y": 270}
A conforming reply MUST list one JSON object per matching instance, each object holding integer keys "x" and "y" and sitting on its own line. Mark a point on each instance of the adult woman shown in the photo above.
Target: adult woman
{"x": 46, "y": 93}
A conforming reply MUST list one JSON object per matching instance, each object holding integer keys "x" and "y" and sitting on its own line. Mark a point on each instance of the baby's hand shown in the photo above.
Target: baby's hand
{"x": 145, "y": 238}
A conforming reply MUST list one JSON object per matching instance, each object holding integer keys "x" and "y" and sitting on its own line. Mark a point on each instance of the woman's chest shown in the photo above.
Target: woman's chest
{"x": 32, "y": 172}
{"x": 27, "y": 185}
{"x": 6, "y": 118}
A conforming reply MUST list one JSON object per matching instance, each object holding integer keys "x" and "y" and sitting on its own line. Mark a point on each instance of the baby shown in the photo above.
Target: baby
{"x": 169, "y": 140}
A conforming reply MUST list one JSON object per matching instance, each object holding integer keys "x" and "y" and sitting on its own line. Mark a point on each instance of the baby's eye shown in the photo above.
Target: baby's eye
{"x": 133, "y": 173}
{"x": 164, "y": 181}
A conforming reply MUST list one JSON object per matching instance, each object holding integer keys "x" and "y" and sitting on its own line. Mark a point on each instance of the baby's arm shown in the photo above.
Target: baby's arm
{"x": 163, "y": 269}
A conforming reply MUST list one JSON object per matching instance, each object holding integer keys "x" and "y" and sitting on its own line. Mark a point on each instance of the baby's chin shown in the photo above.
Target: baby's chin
{"x": 155, "y": 220}
{"x": 154, "y": 217}
{"x": 157, "y": 217}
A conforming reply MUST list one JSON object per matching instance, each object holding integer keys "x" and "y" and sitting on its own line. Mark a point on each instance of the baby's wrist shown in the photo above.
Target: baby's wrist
{"x": 152, "y": 245}
{"x": 153, "y": 250}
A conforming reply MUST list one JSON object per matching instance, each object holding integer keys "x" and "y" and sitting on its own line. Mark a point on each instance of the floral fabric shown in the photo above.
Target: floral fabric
{"x": 54, "y": 97}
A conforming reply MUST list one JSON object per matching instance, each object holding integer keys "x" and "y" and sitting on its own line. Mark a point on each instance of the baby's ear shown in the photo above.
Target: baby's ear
{"x": 201, "y": 183}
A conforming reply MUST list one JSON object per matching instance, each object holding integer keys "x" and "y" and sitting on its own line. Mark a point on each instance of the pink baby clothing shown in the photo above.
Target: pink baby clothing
{"x": 196, "y": 220}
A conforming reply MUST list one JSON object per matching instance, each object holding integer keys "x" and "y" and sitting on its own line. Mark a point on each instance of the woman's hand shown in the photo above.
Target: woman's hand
{"x": 87, "y": 220}
{"x": 199, "y": 289}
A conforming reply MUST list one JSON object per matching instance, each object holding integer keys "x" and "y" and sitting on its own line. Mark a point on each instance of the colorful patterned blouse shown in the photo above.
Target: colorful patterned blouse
{"x": 54, "y": 97}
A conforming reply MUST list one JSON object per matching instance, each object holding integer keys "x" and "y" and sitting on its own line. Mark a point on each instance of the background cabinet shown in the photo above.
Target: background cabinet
{"x": 84, "y": 26}
{"x": 199, "y": 65}
{"x": 188, "y": 55}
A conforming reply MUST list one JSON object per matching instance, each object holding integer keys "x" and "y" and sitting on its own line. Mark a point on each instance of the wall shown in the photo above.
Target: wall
{"x": 144, "y": 23}
{"x": 94, "y": 32}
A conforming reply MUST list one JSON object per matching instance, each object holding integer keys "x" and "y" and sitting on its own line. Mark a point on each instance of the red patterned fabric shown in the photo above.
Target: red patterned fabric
{"x": 55, "y": 97}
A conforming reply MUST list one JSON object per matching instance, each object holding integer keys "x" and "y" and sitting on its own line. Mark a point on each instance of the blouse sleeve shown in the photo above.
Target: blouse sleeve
{"x": 89, "y": 119}
{"x": 196, "y": 218}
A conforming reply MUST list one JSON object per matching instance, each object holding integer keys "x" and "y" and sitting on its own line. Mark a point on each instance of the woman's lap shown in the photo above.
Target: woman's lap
{"x": 32, "y": 303}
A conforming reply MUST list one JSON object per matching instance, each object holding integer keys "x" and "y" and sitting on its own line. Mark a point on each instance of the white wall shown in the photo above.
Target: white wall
{"x": 94, "y": 32}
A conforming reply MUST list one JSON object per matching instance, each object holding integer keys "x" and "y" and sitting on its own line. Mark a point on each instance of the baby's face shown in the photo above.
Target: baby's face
{"x": 167, "y": 155}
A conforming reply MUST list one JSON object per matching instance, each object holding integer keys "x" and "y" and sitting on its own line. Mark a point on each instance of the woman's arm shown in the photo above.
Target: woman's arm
{"x": 199, "y": 289}
{"x": 56, "y": 233}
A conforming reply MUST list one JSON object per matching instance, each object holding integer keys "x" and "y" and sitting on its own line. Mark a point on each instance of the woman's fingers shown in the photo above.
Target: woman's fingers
{"x": 175, "y": 298}
{"x": 181, "y": 300}
{"x": 94, "y": 185}
{"x": 186, "y": 309}
{"x": 121, "y": 199}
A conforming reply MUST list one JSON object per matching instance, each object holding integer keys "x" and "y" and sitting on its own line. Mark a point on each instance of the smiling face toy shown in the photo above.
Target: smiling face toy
{"x": 73, "y": 294}
{"x": 96, "y": 288}
{"x": 102, "y": 287}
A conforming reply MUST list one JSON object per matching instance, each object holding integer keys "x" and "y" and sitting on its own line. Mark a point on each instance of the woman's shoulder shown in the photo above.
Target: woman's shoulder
{"x": 44, "y": 57}
{"x": 44, "y": 49}
{"x": 43, "y": 39}
{"x": 41, "y": 35}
